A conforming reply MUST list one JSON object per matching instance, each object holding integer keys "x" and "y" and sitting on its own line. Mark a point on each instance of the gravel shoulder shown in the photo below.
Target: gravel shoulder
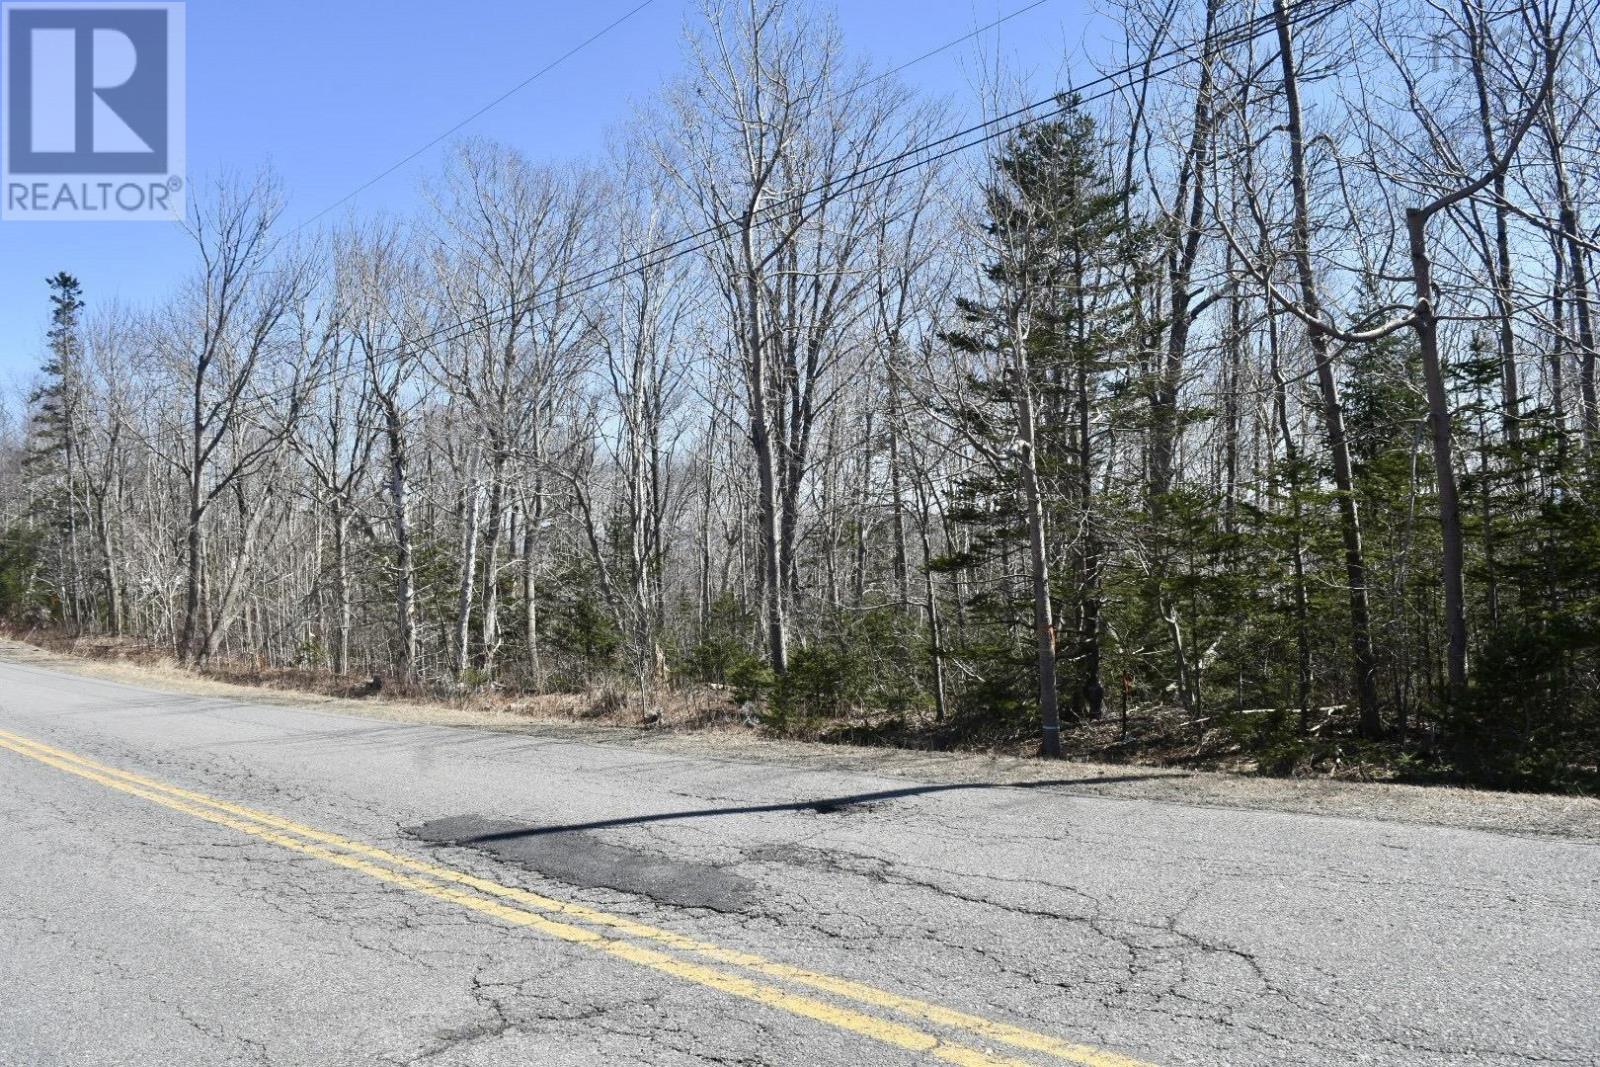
{"x": 1523, "y": 814}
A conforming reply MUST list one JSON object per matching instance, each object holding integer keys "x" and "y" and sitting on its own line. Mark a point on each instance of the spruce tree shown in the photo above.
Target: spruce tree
{"x": 1049, "y": 326}
{"x": 51, "y": 459}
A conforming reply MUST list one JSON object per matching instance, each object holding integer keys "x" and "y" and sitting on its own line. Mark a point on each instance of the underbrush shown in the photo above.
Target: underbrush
{"x": 607, "y": 701}
{"x": 833, "y": 694}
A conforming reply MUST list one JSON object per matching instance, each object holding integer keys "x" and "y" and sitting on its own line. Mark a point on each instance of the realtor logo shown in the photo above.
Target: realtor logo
{"x": 93, "y": 105}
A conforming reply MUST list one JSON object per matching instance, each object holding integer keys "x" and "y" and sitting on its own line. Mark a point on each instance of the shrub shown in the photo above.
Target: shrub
{"x": 869, "y": 662}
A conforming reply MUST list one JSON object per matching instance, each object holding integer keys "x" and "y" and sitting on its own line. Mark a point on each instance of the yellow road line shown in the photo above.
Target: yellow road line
{"x": 249, "y": 820}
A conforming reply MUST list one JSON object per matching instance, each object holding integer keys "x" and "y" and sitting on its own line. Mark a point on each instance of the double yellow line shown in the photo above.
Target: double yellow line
{"x": 614, "y": 935}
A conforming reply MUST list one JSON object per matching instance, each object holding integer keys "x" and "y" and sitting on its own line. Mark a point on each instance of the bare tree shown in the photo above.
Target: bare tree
{"x": 774, "y": 138}
{"x": 515, "y": 233}
{"x": 241, "y": 376}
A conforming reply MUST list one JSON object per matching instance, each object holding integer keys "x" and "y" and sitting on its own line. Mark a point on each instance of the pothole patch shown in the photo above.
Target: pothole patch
{"x": 579, "y": 859}
{"x": 837, "y": 806}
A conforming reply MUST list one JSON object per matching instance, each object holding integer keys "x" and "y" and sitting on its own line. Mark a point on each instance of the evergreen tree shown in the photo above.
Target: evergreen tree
{"x": 1051, "y": 324}
{"x": 55, "y": 412}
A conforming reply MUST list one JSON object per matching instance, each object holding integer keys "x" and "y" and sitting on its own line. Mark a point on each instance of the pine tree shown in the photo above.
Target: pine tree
{"x": 51, "y": 461}
{"x": 1049, "y": 326}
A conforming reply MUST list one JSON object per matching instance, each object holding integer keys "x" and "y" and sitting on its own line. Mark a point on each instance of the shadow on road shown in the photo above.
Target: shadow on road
{"x": 821, "y": 806}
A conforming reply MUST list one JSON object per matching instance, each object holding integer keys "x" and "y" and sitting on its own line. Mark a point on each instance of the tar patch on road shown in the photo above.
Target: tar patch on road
{"x": 580, "y": 859}
{"x": 837, "y": 806}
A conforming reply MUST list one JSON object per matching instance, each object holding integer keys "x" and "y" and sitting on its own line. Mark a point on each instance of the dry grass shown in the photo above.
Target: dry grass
{"x": 706, "y": 727}
{"x": 1154, "y": 736}
{"x": 123, "y": 659}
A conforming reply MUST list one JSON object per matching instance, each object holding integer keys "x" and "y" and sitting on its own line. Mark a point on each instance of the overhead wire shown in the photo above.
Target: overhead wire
{"x": 917, "y": 156}
{"x": 479, "y": 113}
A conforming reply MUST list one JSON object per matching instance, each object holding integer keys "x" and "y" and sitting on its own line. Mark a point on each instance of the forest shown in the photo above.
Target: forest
{"x": 1249, "y": 380}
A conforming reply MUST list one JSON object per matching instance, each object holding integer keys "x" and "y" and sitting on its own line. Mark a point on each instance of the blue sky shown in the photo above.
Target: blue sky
{"x": 331, "y": 93}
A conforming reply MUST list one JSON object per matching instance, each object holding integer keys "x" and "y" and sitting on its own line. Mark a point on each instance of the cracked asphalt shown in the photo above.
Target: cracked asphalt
{"x": 137, "y": 929}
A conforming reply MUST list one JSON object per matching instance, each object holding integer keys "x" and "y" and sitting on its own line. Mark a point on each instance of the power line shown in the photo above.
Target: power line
{"x": 1028, "y": 114}
{"x": 485, "y": 109}
{"x": 947, "y": 145}
{"x": 959, "y": 40}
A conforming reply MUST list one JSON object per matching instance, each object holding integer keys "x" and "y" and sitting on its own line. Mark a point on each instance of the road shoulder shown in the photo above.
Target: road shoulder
{"x": 1568, "y": 818}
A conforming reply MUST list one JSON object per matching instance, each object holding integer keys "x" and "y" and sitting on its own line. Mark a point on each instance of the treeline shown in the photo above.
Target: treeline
{"x": 1256, "y": 379}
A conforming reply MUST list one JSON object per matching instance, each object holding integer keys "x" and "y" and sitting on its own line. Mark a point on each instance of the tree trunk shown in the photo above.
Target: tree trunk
{"x": 470, "y": 507}
{"x": 1044, "y": 627}
{"x": 1093, "y": 691}
{"x": 113, "y": 580}
{"x": 1363, "y": 662}
{"x": 252, "y": 514}
{"x": 195, "y": 548}
{"x": 1500, "y": 262}
{"x": 935, "y": 624}
{"x": 1297, "y": 554}
{"x": 772, "y": 572}
{"x": 405, "y": 595}
{"x": 766, "y": 462}
{"x": 530, "y": 589}
{"x": 1577, "y": 263}
{"x": 902, "y": 565}
{"x": 494, "y": 521}
{"x": 1439, "y": 423}
{"x": 341, "y": 592}
{"x": 1181, "y": 258}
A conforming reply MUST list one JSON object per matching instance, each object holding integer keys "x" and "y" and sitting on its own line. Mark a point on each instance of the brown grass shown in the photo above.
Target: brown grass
{"x": 707, "y": 726}
{"x": 1155, "y": 736}
{"x": 700, "y": 708}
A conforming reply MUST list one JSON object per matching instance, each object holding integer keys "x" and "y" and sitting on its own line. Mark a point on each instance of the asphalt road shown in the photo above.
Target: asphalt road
{"x": 193, "y": 881}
